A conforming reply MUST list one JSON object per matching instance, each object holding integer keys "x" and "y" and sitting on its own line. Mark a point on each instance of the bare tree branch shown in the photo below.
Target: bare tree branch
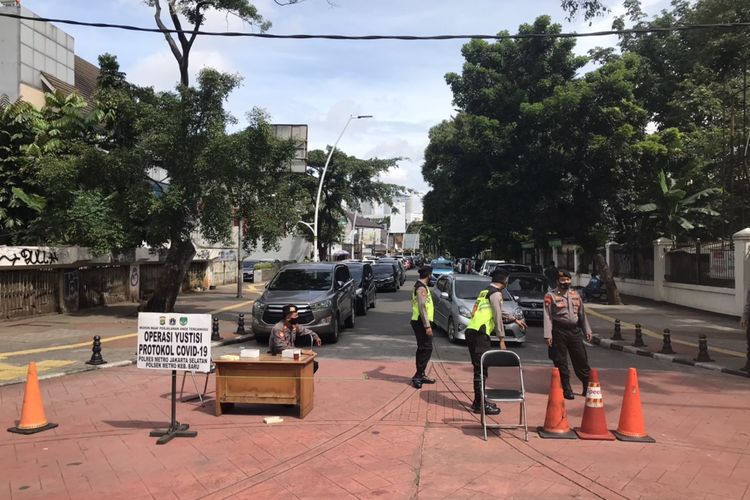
{"x": 164, "y": 29}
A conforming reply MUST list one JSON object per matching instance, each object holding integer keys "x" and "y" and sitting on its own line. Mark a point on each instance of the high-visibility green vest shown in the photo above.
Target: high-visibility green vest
{"x": 415, "y": 304}
{"x": 482, "y": 315}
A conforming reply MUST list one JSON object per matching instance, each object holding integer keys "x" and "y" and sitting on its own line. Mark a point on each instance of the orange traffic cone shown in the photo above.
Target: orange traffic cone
{"x": 594, "y": 422}
{"x": 556, "y": 422}
{"x": 631, "y": 427}
{"x": 32, "y": 412}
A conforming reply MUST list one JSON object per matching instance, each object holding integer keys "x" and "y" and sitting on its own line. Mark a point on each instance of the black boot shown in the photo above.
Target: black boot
{"x": 585, "y": 387}
{"x": 568, "y": 391}
{"x": 489, "y": 409}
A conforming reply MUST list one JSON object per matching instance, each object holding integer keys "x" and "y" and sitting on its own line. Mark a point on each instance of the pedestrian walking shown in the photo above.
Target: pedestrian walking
{"x": 422, "y": 315}
{"x": 486, "y": 319}
{"x": 745, "y": 323}
{"x": 565, "y": 326}
{"x": 550, "y": 272}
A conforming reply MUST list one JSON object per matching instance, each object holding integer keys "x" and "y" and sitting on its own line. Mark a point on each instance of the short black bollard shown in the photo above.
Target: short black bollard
{"x": 215, "y": 329}
{"x": 618, "y": 331}
{"x": 638, "y": 336}
{"x": 241, "y": 325}
{"x": 96, "y": 354}
{"x": 666, "y": 347}
{"x": 703, "y": 356}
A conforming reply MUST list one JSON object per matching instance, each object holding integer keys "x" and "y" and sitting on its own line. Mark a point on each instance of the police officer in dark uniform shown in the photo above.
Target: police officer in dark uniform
{"x": 422, "y": 316}
{"x": 565, "y": 326}
{"x": 486, "y": 319}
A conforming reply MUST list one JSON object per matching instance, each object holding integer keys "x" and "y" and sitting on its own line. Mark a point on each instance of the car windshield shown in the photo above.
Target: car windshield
{"x": 249, "y": 264}
{"x": 527, "y": 284}
{"x": 469, "y": 290}
{"x": 302, "y": 279}
{"x": 382, "y": 270}
{"x": 441, "y": 264}
{"x": 356, "y": 272}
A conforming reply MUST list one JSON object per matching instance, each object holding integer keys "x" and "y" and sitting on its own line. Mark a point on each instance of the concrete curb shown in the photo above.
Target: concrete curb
{"x": 127, "y": 362}
{"x": 619, "y": 346}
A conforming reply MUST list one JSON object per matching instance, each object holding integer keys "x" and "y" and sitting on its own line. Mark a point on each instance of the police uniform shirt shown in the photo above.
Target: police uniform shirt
{"x": 496, "y": 301}
{"x": 564, "y": 309}
{"x": 282, "y": 337}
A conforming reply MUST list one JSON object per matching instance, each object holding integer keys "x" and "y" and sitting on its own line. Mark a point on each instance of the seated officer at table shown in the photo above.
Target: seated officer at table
{"x": 286, "y": 331}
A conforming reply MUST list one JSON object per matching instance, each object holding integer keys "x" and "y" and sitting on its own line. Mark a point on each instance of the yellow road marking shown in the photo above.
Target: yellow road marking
{"x": 38, "y": 350}
{"x": 660, "y": 336}
{"x": 10, "y": 372}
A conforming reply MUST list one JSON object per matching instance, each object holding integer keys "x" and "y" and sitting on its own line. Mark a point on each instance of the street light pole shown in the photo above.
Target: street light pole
{"x": 316, "y": 256}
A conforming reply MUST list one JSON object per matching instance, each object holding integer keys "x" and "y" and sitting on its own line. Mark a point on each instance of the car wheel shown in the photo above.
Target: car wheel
{"x": 451, "y": 331}
{"x": 350, "y": 320}
{"x": 333, "y": 337}
{"x": 374, "y": 298}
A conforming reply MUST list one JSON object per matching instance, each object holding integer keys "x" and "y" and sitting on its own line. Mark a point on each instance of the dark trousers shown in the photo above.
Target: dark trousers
{"x": 569, "y": 341}
{"x": 424, "y": 348}
{"x": 478, "y": 343}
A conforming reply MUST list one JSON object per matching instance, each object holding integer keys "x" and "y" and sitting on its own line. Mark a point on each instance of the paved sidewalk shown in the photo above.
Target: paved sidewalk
{"x": 62, "y": 343}
{"x": 372, "y": 435}
{"x": 727, "y": 343}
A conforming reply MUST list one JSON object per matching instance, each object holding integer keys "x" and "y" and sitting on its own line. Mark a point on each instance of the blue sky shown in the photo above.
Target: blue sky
{"x": 319, "y": 82}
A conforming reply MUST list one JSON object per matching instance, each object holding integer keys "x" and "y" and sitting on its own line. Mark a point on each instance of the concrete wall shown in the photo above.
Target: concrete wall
{"x": 706, "y": 298}
{"x": 636, "y": 288}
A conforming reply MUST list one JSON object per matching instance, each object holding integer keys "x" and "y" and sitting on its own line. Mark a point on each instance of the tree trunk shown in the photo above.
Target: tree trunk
{"x": 613, "y": 294}
{"x": 179, "y": 257}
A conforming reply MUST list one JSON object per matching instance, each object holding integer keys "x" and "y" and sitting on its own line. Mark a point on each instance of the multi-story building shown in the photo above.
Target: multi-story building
{"x": 38, "y": 57}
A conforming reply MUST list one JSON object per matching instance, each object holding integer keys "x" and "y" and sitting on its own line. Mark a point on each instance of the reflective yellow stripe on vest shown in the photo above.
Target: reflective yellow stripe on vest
{"x": 428, "y": 305}
{"x": 482, "y": 314}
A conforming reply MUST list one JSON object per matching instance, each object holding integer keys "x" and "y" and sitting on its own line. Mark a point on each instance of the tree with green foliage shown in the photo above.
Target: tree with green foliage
{"x": 192, "y": 13}
{"x": 349, "y": 182}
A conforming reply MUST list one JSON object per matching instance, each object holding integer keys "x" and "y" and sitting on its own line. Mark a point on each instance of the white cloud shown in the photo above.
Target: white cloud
{"x": 160, "y": 70}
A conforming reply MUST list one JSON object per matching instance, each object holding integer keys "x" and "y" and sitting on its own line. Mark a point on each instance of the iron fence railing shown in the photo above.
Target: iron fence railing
{"x": 567, "y": 260}
{"x": 699, "y": 263}
{"x": 632, "y": 262}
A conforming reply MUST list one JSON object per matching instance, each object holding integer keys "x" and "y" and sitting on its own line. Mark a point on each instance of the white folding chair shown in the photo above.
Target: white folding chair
{"x": 199, "y": 395}
{"x": 505, "y": 359}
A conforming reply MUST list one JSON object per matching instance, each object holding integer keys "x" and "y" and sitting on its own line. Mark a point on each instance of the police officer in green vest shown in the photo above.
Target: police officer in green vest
{"x": 422, "y": 315}
{"x": 486, "y": 319}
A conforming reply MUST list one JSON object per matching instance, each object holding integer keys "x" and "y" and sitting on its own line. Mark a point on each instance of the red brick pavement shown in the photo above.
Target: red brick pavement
{"x": 372, "y": 435}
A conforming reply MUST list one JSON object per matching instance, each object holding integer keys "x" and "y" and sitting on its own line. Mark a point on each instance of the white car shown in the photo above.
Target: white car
{"x": 487, "y": 265}
{"x": 453, "y": 296}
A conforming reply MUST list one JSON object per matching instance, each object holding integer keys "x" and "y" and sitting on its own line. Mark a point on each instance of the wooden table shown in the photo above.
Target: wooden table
{"x": 268, "y": 380}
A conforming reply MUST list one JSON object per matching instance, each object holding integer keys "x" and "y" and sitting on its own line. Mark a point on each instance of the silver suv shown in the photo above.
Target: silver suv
{"x": 323, "y": 292}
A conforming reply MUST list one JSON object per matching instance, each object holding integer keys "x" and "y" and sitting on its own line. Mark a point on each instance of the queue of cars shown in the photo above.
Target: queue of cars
{"x": 329, "y": 296}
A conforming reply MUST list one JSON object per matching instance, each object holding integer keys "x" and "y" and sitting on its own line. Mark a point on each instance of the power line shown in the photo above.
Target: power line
{"x": 518, "y": 36}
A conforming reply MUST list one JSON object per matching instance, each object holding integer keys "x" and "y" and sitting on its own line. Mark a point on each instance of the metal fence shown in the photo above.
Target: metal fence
{"x": 567, "y": 260}
{"x": 632, "y": 262}
{"x": 699, "y": 263}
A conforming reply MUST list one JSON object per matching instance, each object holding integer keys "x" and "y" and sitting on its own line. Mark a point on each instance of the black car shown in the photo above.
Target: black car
{"x": 529, "y": 290}
{"x": 386, "y": 276}
{"x": 400, "y": 268}
{"x": 364, "y": 284}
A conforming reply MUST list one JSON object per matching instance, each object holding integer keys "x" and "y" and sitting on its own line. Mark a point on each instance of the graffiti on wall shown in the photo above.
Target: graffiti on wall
{"x": 135, "y": 277}
{"x": 71, "y": 286}
{"x": 27, "y": 256}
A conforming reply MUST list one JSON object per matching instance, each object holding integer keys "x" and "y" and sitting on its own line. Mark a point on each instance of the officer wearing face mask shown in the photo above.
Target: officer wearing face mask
{"x": 565, "y": 326}
{"x": 286, "y": 331}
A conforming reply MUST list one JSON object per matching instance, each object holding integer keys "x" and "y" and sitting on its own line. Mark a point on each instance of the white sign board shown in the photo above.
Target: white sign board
{"x": 173, "y": 341}
{"x": 411, "y": 241}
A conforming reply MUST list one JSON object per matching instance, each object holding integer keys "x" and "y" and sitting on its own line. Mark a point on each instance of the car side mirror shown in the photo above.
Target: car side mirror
{"x": 445, "y": 296}
{"x": 339, "y": 284}
{"x": 516, "y": 298}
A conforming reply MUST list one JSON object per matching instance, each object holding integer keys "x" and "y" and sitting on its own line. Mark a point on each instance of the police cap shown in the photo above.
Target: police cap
{"x": 287, "y": 309}
{"x": 563, "y": 274}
